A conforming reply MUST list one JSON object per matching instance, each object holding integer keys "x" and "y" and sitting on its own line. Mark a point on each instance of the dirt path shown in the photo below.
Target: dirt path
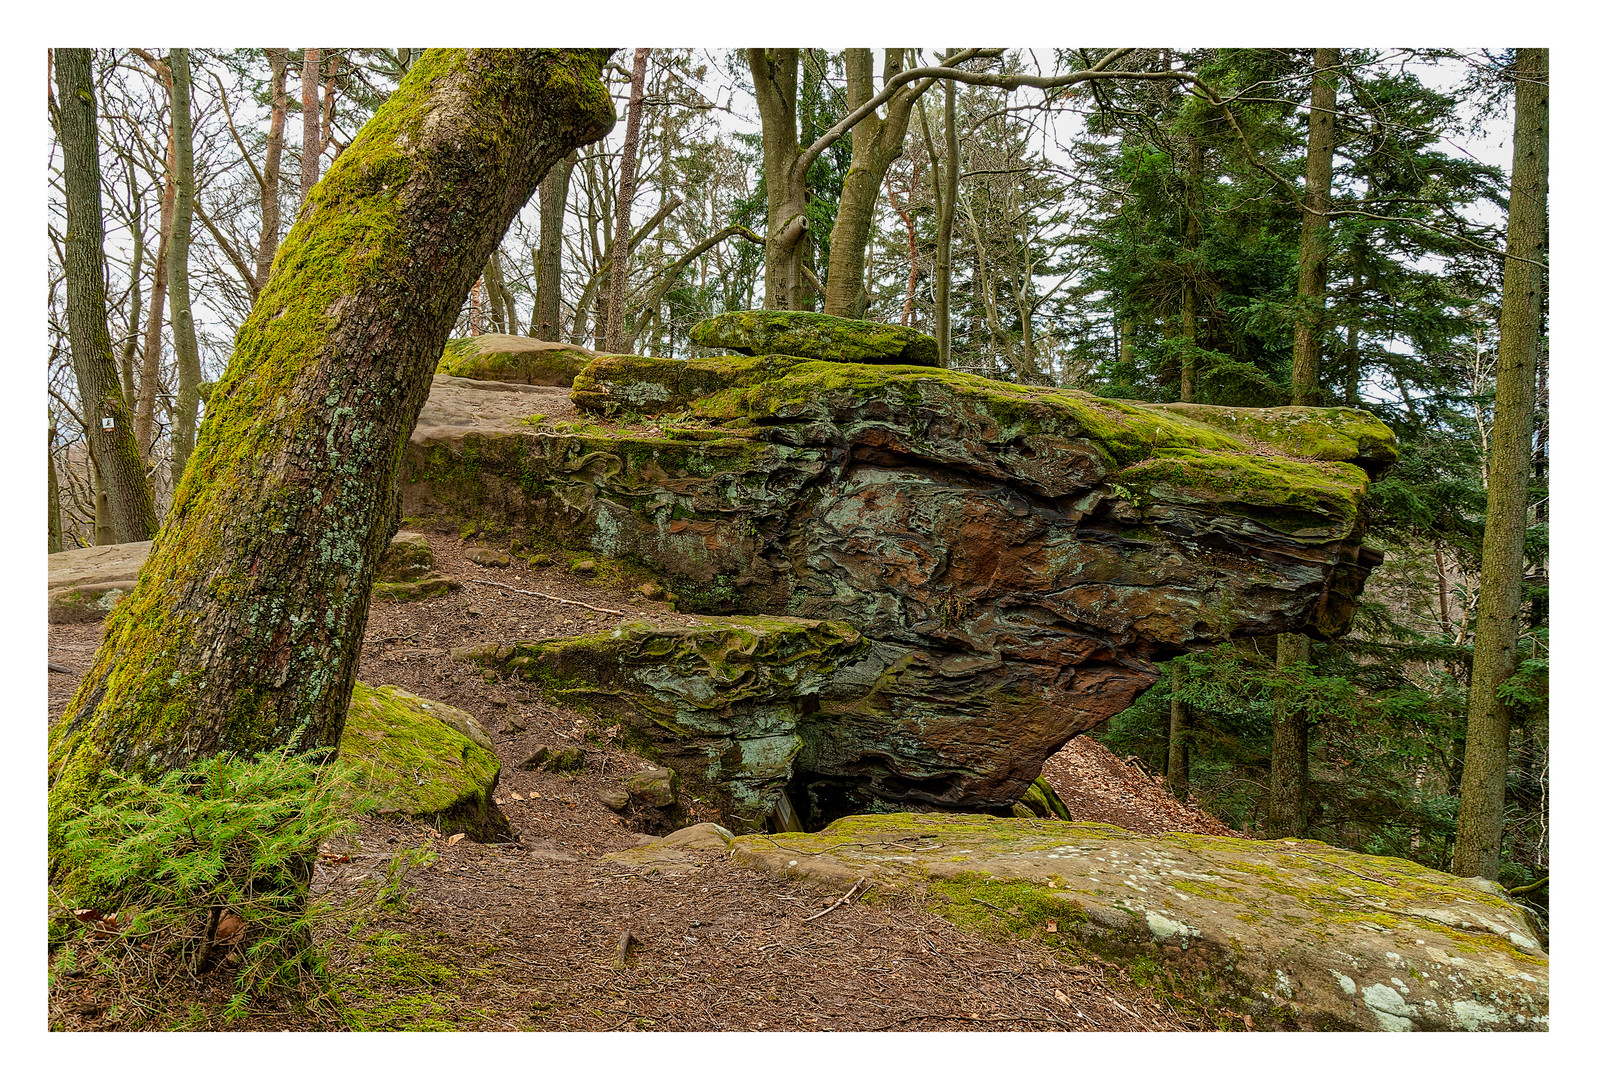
{"x": 524, "y": 936}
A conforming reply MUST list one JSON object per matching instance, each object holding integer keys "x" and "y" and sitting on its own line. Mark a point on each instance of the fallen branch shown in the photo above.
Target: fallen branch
{"x": 59, "y": 670}
{"x": 546, "y": 596}
{"x": 624, "y": 948}
{"x": 846, "y": 898}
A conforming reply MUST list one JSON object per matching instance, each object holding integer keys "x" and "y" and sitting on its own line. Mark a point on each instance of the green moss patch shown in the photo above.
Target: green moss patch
{"x": 816, "y": 337}
{"x": 1337, "y": 434}
{"x": 414, "y": 764}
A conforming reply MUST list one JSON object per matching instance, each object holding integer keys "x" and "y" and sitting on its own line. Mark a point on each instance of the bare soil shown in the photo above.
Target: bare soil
{"x": 524, "y": 935}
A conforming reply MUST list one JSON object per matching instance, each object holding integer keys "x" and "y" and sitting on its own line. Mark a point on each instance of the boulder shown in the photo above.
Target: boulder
{"x": 815, "y": 337}
{"x": 564, "y": 759}
{"x": 1294, "y": 933}
{"x": 409, "y": 558}
{"x": 85, "y": 583}
{"x": 680, "y": 852}
{"x": 1015, "y": 559}
{"x": 423, "y": 759}
{"x": 509, "y": 359}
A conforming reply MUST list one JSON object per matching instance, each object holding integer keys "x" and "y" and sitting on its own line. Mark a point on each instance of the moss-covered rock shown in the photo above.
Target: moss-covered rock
{"x": 1015, "y": 558}
{"x": 816, "y": 337}
{"x": 86, "y": 583}
{"x": 506, "y": 358}
{"x": 409, "y": 557}
{"x": 1334, "y": 434}
{"x": 423, "y": 759}
{"x": 1297, "y": 934}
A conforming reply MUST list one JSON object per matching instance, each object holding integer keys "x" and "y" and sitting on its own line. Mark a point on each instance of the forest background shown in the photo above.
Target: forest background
{"x": 1084, "y": 253}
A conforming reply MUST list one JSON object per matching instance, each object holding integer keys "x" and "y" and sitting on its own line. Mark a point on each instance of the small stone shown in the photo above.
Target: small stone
{"x": 555, "y": 759}
{"x": 615, "y": 799}
{"x": 653, "y": 787}
{"x": 586, "y": 566}
{"x": 487, "y": 556}
{"x": 536, "y": 561}
{"x": 511, "y": 728}
{"x": 474, "y": 609}
{"x": 650, "y": 591}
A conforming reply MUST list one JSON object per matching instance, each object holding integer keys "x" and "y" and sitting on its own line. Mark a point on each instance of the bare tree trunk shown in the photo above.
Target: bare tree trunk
{"x": 54, "y": 493}
{"x": 106, "y": 415}
{"x": 245, "y": 628}
{"x": 272, "y": 170}
{"x": 310, "y": 153}
{"x": 945, "y": 222}
{"x": 775, "y": 75}
{"x": 104, "y": 531}
{"x": 551, "y": 237}
{"x": 150, "y": 365}
{"x": 615, "y": 332}
{"x": 130, "y": 344}
{"x": 1314, "y": 251}
{"x": 506, "y": 307}
{"x": 1189, "y": 283}
{"x": 1497, "y": 620}
{"x": 184, "y": 344}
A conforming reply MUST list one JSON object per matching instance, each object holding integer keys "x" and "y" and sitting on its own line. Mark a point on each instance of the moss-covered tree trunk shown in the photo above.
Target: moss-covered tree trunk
{"x": 1497, "y": 622}
{"x": 775, "y": 76}
{"x": 244, "y": 630}
{"x": 106, "y": 413}
{"x": 186, "y": 410}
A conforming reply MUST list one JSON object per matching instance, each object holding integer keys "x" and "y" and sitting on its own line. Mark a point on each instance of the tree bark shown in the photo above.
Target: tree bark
{"x": 1189, "y": 279}
{"x": 310, "y": 151}
{"x": 620, "y": 252}
{"x": 1497, "y": 620}
{"x": 945, "y": 222}
{"x": 150, "y": 364}
{"x": 105, "y": 412}
{"x": 54, "y": 494}
{"x": 775, "y": 76}
{"x": 187, "y": 408}
{"x": 877, "y": 142}
{"x": 272, "y": 169}
{"x": 244, "y": 631}
{"x": 1314, "y": 250}
{"x": 1180, "y": 724}
{"x": 1289, "y": 750}
{"x": 551, "y": 237}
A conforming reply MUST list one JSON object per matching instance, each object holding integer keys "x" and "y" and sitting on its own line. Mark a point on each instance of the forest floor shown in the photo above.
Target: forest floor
{"x": 523, "y": 936}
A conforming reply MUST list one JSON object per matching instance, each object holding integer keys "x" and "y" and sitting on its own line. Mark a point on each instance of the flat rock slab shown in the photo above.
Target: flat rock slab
{"x": 1297, "y": 933}
{"x": 455, "y": 405}
{"x": 511, "y": 359}
{"x": 681, "y": 852}
{"x": 85, "y": 583}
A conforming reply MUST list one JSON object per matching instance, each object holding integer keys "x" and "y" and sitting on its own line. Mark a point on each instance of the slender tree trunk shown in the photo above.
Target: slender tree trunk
{"x": 620, "y": 252}
{"x": 1314, "y": 251}
{"x": 775, "y": 76}
{"x": 1180, "y": 724}
{"x": 310, "y": 153}
{"x": 244, "y": 630}
{"x": 106, "y": 414}
{"x": 551, "y": 238}
{"x": 187, "y": 409}
{"x": 150, "y": 365}
{"x": 54, "y": 494}
{"x": 104, "y": 531}
{"x": 1497, "y": 620}
{"x": 1289, "y": 750}
{"x": 130, "y": 344}
{"x": 499, "y": 299}
{"x": 272, "y": 170}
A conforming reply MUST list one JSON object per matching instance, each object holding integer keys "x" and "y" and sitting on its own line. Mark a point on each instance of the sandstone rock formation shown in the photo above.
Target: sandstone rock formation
{"x": 1013, "y": 558}
{"x": 85, "y": 583}
{"x": 820, "y": 337}
{"x": 510, "y": 359}
{"x": 1295, "y": 934}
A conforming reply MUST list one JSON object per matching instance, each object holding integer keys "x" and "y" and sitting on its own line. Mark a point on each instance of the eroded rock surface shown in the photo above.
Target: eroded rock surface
{"x": 510, "y": 359}
{"x": 85, "y": 583}
{"x": 1297, "y": 934}
{"x": 1015, "y": 558}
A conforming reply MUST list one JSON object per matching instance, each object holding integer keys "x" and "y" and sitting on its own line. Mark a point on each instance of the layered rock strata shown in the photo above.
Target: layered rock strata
{"x": 1014, "y": 558}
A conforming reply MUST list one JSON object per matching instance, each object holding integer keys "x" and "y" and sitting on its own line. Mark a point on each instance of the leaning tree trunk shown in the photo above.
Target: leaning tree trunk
{"x": 185, "y": 413}
{"x": 105, "y": 412}
{"x": 272, "y": 169}
{"x": 1497, "y": 620}
{"x": 244, "y": 630}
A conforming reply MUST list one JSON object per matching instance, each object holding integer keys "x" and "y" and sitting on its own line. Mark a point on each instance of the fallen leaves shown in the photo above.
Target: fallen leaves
{"x": 453, "y": 840}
